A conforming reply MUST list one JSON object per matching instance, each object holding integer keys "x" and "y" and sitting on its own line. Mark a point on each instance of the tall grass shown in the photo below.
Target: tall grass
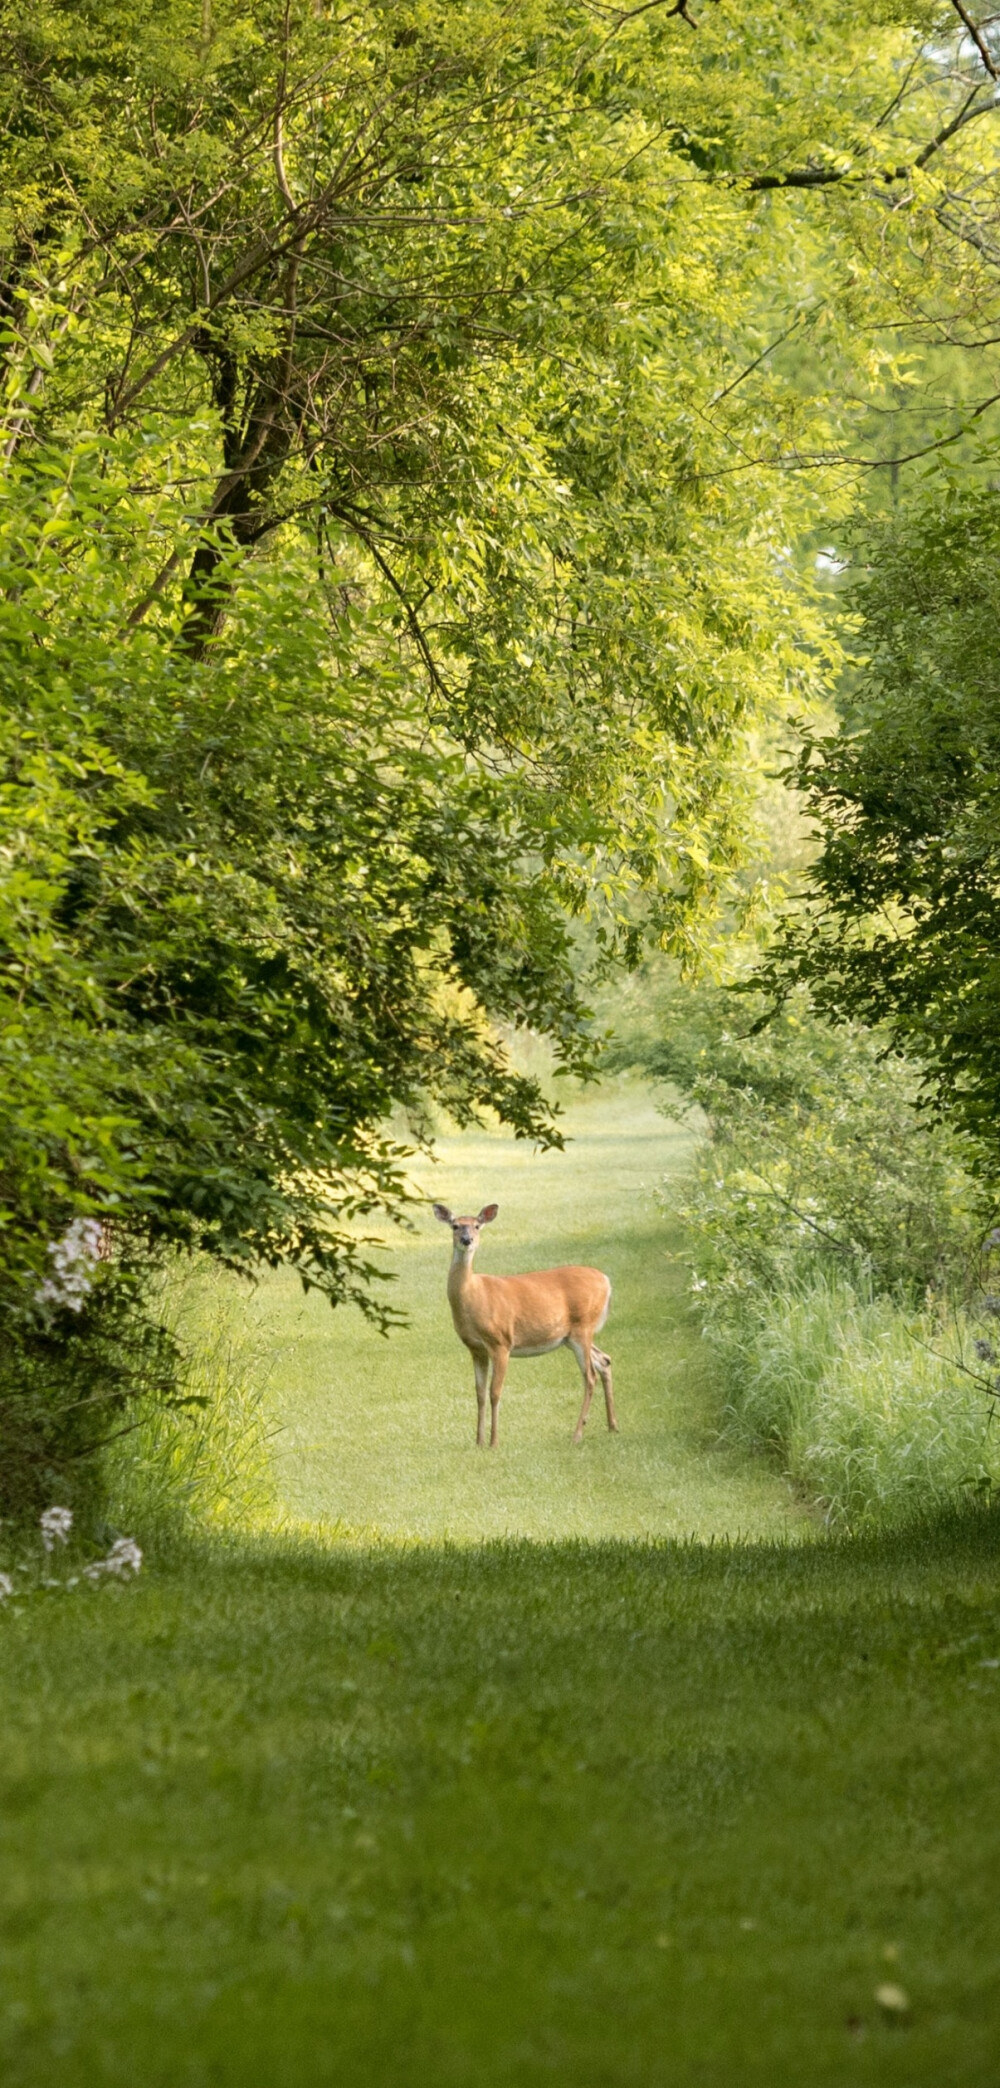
{"x": 205, "y": 1465}
{"x": 874, "y": 1411}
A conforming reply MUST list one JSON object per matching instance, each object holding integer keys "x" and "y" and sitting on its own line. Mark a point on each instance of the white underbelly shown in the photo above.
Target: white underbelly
{"x": 540, "y": 1348}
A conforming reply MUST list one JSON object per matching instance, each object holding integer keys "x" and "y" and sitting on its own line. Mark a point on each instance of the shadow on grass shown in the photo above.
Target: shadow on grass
{"x": 583, "y": 1813}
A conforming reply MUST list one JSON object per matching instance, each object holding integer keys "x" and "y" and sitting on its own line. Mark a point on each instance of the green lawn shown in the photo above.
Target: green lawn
{"x": 296, "y": 1811}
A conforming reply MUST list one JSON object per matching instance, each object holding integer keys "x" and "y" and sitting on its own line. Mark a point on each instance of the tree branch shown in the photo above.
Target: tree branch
{"x": 825, "y": 177}
{"x": 978, "y": 39}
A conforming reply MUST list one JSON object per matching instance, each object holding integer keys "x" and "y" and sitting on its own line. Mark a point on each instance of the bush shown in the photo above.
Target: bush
{"x": 818, "y": 1155}
{"x": 72, "y": 1367}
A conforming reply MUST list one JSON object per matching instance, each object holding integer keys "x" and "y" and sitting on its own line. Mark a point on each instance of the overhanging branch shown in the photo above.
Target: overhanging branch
{"x": 978, "y": 39}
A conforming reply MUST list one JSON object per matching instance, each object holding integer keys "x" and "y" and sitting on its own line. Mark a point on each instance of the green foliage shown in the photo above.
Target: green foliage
{"x": 70, "y": 1377}
{"x": 878, "y": 1413}
{"x": 900, "y": 923}
{"x": 833, "y": 1229}
{"x": 816, "y": 1157}
{"x": 393, "y": 557}
{"x": 255, "y": 903}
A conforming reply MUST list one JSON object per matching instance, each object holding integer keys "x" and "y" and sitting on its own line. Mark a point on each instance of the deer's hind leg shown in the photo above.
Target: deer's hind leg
{"x": 602, "y": 1365}
{"x": 584, "y": 1353}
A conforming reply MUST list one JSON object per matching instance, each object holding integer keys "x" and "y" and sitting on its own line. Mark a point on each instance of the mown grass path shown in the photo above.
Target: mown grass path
{"x": 379, "y": 1435}
{"x": 300, "y": 1813}
{"x": 506, "y": 1817}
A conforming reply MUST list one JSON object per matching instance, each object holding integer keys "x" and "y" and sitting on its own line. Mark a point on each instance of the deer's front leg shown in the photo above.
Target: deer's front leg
{"x": 481, "y": 1366}
{"x": 501, "y": 1358}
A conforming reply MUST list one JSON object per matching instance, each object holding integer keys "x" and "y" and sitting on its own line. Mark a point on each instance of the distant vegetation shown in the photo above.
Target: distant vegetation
{"x": 839, "y": 1245}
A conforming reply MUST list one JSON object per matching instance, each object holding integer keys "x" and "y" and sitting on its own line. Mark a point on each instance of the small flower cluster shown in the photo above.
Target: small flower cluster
{"x": 73, "y": 1258}
{"x": 124, "y": 1558}
{"x": 55, "y": 1525}
{"x": 121, "y": 1562}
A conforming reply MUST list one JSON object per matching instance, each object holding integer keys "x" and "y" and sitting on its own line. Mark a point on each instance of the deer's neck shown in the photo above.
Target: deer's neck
{"x": 461, "y": 1280}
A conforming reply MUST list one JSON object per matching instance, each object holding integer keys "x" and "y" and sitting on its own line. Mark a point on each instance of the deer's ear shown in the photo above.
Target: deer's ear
{"x": 487, "y": 1214}
{"x": 441, "y": 1211}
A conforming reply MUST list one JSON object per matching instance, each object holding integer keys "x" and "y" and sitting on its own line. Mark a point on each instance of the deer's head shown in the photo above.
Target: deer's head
{"x": 465, "y": 1231}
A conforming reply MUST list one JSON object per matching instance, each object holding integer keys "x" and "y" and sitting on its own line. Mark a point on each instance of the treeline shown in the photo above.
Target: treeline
{"x": 419, "y": 426}
{"x": 841, "y": 1220}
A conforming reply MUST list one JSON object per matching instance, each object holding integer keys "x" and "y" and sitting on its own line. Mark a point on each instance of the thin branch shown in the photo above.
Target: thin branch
{"x": 136, "y": 615}
{"x": 620, "y": 15}
{"x": 842, "y": 1246}
{"x": 279, "y": 150}
{"x": 967, "y": 114}
{"x": 755, "y": 364}
{"x": 413, "y": 621}
{"x": 978, "y": 39}
{"x": 826, "y": 177}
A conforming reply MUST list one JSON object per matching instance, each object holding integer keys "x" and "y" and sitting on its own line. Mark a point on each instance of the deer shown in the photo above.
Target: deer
{"x": 498, "y": 1317}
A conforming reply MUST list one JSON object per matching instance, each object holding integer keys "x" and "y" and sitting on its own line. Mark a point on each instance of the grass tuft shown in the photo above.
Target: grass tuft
{"x": 866, "y": 1404}
{"x": 207, "y": 1466}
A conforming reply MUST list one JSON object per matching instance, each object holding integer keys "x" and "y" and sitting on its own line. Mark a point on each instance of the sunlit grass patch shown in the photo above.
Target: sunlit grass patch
{"x": 207, "y": 1464}
{"x": 378, "y": 1435}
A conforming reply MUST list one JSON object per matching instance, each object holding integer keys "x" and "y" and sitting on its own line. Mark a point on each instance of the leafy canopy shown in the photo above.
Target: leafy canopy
{"x": 395, "y": 549}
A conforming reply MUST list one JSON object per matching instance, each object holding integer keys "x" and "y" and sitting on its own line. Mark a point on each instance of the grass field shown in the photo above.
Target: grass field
{"x": 379, "y": 1436}
{"x": 314, "y": 1811}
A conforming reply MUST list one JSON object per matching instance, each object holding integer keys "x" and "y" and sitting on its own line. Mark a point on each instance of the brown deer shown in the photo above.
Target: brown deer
{"x": 502, "y": 1316}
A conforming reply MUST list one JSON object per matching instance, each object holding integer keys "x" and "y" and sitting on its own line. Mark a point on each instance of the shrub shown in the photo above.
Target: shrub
{"x": 818, "y": 1155}
{"x": 72, "y": 1366}
{"x": 833, "y": 1227}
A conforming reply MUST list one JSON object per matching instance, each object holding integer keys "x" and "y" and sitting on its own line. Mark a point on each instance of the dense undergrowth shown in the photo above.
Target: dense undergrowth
{"x": 870, "y": 1406}
{"x": 841, "y": 1252}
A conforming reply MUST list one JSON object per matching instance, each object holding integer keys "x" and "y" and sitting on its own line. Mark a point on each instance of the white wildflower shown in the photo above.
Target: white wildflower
{"x": 73, "y": 1258}
{"x": 6, "y": 1586}
{"x": 124, "y": 1558}
{"x": 56, "y": 1524}
{"x": 699, "y": 1283}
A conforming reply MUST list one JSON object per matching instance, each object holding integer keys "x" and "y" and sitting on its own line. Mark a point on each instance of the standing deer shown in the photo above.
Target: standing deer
{"x": 502, "y": 1316}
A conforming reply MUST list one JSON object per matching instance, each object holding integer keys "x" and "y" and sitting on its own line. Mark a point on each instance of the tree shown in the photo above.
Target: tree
{"x": 901, "y": 916}
{"x": 402, "y": 471}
